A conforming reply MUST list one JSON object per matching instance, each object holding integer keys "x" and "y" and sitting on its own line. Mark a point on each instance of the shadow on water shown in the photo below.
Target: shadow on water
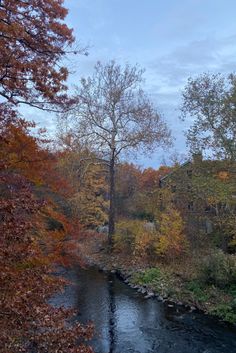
{"x": 126, "y": 322}
{"x": 112, "y": 314}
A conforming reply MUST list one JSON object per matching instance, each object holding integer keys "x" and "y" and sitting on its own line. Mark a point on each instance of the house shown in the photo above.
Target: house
{"x": 201, "y": 190}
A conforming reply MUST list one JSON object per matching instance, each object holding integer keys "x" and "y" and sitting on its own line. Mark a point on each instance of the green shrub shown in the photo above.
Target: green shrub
{"x": 226, "y": 311}
{"x": 156, "y": 279}
{"x": 232, "y": 290}
{"x": 197, "y": 290}
{"x": 218, "y": 269}
{"x": 148, "y": 276}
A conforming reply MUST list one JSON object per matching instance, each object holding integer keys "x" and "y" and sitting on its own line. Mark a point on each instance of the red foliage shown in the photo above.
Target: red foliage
{"x": 28, "y": 323}
{"x": 29, "y": 250}
{"x": 29, "y": 155}
{"x": 149, "y": 179}
{"x": 33, "y": 40}
{"x": 128, "y": 178}
{"x": 163, "y": 170}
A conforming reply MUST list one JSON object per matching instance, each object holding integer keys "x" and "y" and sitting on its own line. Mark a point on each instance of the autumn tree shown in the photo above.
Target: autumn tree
{"x": 20, "y": 150}
{"x": 127, "y": 181}
{"x": 28, "y": 247}
{"x": 149, "y": 179}
{"x": 115, "y": 116}
{"x": 88, "y": 201}
{"x": 213, "y": 192}
{"x": 33, "y": 40}
{"x": 171, "y": 240}
{"x": 34, "y": 236}
{"x": 210, "y": 102}
{"x": 137, "y": 190}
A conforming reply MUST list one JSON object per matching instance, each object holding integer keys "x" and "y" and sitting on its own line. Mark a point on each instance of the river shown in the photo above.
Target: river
{"x": 126, "y": 322}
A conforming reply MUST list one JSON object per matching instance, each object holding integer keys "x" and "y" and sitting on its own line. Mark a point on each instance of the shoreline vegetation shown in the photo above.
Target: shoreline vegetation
{"x": 174, "y": 283}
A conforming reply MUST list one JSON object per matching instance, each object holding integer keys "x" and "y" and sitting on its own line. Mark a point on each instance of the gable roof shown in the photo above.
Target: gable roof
{"x": 175, "y": 170}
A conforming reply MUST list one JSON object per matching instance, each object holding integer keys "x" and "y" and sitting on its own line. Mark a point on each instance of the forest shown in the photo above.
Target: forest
{"x": 79, "y": 194}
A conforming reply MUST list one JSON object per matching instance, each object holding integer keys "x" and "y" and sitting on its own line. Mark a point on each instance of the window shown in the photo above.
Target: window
{"x": 189, "y": 173}
{"x": 190, "y": 206}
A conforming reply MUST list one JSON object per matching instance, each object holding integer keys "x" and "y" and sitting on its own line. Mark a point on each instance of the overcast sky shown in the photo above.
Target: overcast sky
{"x": 171, "y": 39}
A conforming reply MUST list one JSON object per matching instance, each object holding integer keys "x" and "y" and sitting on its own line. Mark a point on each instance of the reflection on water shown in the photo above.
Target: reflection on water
{"x": 125, "y": 322}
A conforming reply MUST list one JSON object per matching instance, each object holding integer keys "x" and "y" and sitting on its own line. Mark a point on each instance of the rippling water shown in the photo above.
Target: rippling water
{"x": 125, "y": 322}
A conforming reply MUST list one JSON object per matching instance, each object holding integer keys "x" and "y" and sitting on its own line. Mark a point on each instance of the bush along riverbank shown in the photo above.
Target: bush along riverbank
{"x": 205, "y": 282}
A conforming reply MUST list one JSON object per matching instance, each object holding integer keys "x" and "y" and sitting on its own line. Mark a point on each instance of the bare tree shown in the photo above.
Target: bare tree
{"x": 115, "y": 116}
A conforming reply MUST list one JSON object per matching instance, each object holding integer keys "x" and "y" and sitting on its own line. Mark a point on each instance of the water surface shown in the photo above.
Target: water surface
{"x": 126, "y": 322}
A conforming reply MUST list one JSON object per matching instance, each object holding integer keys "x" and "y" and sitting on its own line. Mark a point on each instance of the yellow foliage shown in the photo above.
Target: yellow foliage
{"x": 171, "y": 241}
{"x": 133, "y": 237}
{"x": 89, "y": 202}
{"x": 223, "y": 175}
{"x": 144, "y": 243}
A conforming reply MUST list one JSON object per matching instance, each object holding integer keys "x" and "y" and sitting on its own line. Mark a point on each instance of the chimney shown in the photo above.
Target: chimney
{"x": 197, "y": 157}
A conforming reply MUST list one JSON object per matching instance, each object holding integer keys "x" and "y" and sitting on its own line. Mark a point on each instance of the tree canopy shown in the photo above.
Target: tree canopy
{"x": 210, "y": 100}
{"x": 33, "y": 40}
{"x": 114, "y": 116}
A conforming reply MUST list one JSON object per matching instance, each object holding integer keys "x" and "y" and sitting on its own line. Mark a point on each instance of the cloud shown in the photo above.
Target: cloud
{"x": 197, "y": 56}
{"x": 43, "y": 119}
{"x": 173, "y": 40}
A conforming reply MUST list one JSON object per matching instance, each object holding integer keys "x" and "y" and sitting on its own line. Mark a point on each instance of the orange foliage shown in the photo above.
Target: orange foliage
{"x": 27, "y": 250}
{"x": 223, "y": 175}
{"x": 30, "y": 156}
{"x": 34, "y": 236}
{"x": 21, "y": 151}
{"x": 149, "y": 179}
{"x": 33, "y": 40}
{"x": 128, "y": 179}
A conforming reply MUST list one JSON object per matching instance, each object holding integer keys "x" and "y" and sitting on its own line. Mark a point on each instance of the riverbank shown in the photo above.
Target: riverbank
{"x": 124, "y": 321}
{"x": 175, "y": 283}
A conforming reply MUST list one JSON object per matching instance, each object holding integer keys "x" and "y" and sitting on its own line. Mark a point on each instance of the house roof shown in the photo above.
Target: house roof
{"x": 174, "y": 171}
{"x": 190, "y": 162}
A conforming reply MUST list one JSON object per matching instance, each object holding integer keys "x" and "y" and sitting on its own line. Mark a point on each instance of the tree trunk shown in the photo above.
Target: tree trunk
{"x": 111, "y": 226}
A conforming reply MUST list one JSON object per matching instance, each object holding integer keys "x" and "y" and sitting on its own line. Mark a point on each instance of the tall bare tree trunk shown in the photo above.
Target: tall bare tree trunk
{"x": 111, "y": 225}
